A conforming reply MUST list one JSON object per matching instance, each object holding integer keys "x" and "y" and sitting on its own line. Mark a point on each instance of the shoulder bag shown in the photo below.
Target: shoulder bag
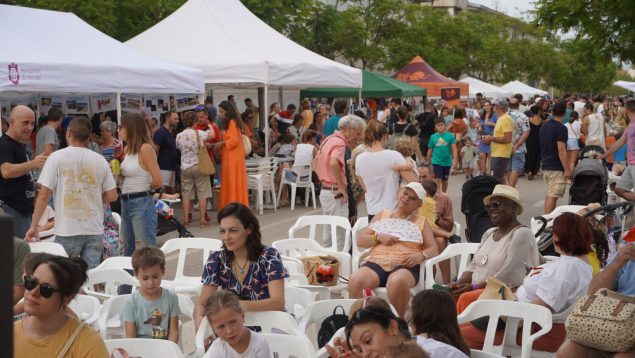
{"x": 603, "y": 321}
{"x": 71, "y": 340}
{"x": 205, "y": 164}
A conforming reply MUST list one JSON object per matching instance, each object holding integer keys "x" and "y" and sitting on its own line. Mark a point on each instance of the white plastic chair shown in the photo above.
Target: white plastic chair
{"x": 298, "y": 248}
{"x": 303, "y": 180}
{"x": 87, "y": 308}
{"x": 109, "y": 323}
{"x": 296, "y": 300}
{"x": 331, "y": 223}
{"x": 462, "y": 251}
{"x": 116, "y": 262}
{"x": 182, "y": 283}
{"x": 536, "y": 224}
{"x": 474, "y": 353}
{"x": 316, "y": 312}
{"x": 360, "y": 224}
{"x": 186, "y": 306}
{"x": 260, "y": 177}
{"x": 515, "y": 312}
{"x": 272, "y": 322}
{"x": 112, "y": 279}
{"x": 286, "y": 346}
{"x": 144, "y": 347}
{"x": 202, "y": 333}
{"x": 48, "y": 247}
{"x": 456, "y": 229}
{"x": 47, "y": 236}
{"x": 117, "y": 218}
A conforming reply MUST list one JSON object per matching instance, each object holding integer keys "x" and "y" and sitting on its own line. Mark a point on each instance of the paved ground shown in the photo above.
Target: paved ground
{"x": 275, "y": 226}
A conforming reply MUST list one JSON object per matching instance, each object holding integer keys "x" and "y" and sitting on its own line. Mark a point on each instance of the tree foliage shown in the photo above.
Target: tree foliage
{"x": 609, "y": 24}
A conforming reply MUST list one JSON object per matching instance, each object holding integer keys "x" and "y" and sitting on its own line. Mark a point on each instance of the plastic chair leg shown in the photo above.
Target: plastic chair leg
{"x": 313, "y": 194}
{"x": 293, "y": 191}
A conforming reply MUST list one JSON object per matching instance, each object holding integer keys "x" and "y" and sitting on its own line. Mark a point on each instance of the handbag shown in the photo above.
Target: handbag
{"x": 205, "y": 164}
{"x": 246, "y": 145}
{"x": 603, "y": 321}
{"x": 321, "y": 270}
{"x": 494, "y": 290}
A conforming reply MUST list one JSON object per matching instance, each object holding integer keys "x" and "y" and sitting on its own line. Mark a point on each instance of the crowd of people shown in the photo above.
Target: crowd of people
{"x": 397, "y": 162}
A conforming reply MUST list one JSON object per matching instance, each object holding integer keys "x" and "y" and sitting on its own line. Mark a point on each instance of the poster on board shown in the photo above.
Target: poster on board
{"x": 185, "y": 102}
{"x": 77, "y": 105}
{"x": 156, "y": 104}
{"x": 131, "y": 102}
{"x": 47, "y": 102}
{"x": 104, "y": 102}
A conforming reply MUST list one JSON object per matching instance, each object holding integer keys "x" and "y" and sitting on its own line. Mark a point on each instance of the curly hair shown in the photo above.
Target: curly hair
{"x": 573, "y": 234}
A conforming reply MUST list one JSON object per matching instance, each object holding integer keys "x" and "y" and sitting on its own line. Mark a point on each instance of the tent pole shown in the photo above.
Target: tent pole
{"x": 359, "y": 95}
{"x": 266, "y": 128}
{"x": 118, "y": 100}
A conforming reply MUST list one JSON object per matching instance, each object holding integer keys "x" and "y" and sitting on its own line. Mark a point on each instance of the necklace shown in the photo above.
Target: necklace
{"x": 241, "y": 269}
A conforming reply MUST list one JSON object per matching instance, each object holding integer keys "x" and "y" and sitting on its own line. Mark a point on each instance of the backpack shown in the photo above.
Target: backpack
{"x": 330, "y": 325}
{"x": 396, "y": 136}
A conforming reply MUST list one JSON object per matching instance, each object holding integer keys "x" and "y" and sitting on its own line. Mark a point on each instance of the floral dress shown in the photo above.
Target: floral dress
{"x": 218, "y": 272}
{"x": 111, "y": 235}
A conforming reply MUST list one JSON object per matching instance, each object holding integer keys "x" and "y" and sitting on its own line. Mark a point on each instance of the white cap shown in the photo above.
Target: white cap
{"x": 418, "y": 189}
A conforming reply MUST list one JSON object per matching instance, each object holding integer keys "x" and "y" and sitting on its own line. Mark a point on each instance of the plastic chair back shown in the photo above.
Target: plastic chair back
{"x": 286, "y": 346}
{"x": 360, "y": 224}
{"x": 48, "y": 247}
{"x": 182, "y": 245}
{"x": 331, "y": 223}
{"x": 109, "y": 322}
{"x": 87, "y": 308}
{"x": 296, "y": 300}
{"x": 111, "y": 278}
{"x": 461, "y": 251}
{"x": 144, "y": 347}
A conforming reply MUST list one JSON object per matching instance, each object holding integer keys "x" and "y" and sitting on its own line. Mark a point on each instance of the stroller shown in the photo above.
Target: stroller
{"x": 476, "y": 217}
{"x": 166, "y": 222}
{"x": 606, "y": 220}
{"x": 590, "y": 178}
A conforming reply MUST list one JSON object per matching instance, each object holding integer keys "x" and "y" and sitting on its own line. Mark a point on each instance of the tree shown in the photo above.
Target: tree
{"x": 281, "y": 14}
{"x": 610, "y": 25}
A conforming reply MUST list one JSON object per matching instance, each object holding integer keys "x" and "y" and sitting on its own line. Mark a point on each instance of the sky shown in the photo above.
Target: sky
{"x": 514, "y": 8}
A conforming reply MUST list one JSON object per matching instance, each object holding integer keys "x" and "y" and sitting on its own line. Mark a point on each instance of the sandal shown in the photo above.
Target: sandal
{"x": 204, "y": 224}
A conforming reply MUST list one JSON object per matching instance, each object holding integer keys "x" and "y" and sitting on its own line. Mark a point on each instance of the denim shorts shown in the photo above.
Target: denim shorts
{"x": 21, "y": 222}
{"x": 517, "y": 163}
{"x": 441, "y": 172}
{"x": 499, "y": 167}
{"x": 88, "y": 247}
{"x": 572, "y": 144}
{"x": 138, "y": 223}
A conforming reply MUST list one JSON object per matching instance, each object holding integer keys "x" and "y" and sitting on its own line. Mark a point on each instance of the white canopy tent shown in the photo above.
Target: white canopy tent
{"x": 626, "y": 85}
{"x": 57, "y": 52}
{"x": 488, "y": 90}
{"x": 524, "y": 89}
{"x": 235, "y": 48}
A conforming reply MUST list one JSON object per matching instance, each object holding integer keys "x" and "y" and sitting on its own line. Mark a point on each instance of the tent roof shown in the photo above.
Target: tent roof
{"x": 626, "y": 85}
{"x": 524, "y": 89}
{"x": 234, "y": 47}
{"x": 373, "y": 85}
{"x": 488, "y": 90}
{"x": 58, "y": 52}
{"x": 419, "y": 71}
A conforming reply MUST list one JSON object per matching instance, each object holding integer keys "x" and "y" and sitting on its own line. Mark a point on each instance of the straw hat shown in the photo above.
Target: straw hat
{"x": 505, "y": 191}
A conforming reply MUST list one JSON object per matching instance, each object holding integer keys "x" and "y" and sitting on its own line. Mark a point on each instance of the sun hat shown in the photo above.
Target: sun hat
{"x": 418, "y": 189}
{"x": 505, "y": 191}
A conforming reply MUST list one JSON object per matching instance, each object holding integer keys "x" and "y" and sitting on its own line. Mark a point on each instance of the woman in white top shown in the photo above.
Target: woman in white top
{"x": 573, "y": 135}
{"x": 594, "y": 127}
{"x": 193, "y": 184}
{"x": 374, "y": 170}
{"x": 141, "y": 175}
{"x": 304, "y": 154}
{"x": 556, "y": 285}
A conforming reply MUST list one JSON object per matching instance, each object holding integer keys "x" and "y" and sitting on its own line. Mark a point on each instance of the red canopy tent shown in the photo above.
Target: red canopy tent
{"x": 419, "y": 73}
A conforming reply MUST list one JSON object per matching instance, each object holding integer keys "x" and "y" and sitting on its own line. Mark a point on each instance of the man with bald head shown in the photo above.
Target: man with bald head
{"x": 17, "y": 184}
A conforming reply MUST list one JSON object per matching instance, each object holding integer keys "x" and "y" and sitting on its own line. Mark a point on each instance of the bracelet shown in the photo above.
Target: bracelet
{"x": 474, "y": 287}
{"x": 375, "y": 239}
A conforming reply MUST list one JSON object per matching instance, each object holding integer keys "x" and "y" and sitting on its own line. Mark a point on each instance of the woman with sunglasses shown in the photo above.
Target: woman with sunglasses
{"x": 556, "y": 285}
{"x": 233, "y": 185}
{"x": 51, "y": 282}
{"x": 504, "y": 250}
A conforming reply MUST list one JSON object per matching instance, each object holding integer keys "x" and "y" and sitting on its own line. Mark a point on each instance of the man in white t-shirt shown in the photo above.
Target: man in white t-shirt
{"x": 82, "y": 182}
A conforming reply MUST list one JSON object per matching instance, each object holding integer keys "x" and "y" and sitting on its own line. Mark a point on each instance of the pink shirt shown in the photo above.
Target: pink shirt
{"x": 334, "y": 146}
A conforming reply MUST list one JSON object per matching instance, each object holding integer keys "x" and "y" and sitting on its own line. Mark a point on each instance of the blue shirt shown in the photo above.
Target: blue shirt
{"x": 331, "y": 125}
{"x": 620, "y": 154}
{"x": 168, "y": 157}
{"x": 626, "y": 279}
{"x": 151, "y": 317}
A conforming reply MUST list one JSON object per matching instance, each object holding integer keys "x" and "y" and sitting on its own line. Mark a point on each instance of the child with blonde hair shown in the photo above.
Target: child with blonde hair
{"x": 227, "y": 320}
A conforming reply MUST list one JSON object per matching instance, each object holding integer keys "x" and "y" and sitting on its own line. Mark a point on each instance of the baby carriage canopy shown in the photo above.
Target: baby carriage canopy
{"x": 590, "y": 180}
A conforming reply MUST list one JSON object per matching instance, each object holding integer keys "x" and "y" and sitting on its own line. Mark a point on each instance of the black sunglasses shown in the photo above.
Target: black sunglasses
{"x": 493, "y": 205}
{"x": 46, "y": 290}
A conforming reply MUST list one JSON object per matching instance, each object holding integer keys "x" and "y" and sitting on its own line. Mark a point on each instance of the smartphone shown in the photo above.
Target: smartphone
{"x": 441, "y": 287}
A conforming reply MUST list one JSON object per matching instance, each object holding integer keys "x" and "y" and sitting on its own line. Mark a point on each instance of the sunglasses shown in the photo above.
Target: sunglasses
{"x": 493, "y": 205}
{"x": 46, "y": 290}
{"x": 200, "y": 108}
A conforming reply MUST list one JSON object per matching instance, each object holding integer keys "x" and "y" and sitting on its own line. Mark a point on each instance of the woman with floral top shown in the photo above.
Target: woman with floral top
{"x": 244, "y": 266}
{"x": 193, "y": 183}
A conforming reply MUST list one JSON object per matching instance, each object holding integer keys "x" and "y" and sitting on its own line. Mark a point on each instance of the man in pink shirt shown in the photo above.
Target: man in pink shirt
{"x": 330, "y": 167}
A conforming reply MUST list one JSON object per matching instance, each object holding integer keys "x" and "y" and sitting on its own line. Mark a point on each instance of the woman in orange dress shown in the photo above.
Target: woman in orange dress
{"x": 233, "y": 185}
